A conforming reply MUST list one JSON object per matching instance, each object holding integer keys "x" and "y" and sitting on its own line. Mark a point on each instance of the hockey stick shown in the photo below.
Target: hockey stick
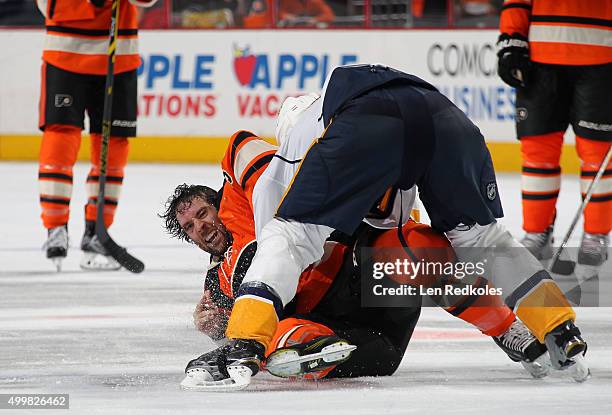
{"x": 567, "y": 267}
{"x": 119, "y": 253}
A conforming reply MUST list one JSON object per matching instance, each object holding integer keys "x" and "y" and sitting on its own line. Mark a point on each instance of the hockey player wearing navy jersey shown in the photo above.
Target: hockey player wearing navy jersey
{"x": 380, "y": 129}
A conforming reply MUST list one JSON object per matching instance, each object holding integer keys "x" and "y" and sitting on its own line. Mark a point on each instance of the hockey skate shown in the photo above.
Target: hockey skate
{"x": 567, "y": 349}
{"x": 521, "y": 346}
{"x": 309, "y": 358}
{"x": 539, "y": 243}
{"x": 95, "y": 256}
{"x": 57, "y": 245}
{"x": 225, "y": 369}
{"x": 592, "y": 254}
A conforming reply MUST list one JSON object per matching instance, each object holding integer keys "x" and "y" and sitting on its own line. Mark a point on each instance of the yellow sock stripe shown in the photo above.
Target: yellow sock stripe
{"x": 252, "y": 318}
{"x": 544, "y": 308}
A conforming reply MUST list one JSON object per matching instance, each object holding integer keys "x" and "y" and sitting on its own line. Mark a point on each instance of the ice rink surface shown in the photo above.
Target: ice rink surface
{"x": 118, "y": 342}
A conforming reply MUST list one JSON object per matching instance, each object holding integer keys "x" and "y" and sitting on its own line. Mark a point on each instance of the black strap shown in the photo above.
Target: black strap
{"x": 400, "y": 235}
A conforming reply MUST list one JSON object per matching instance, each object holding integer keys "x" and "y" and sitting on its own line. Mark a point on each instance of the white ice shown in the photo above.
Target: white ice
{"x": 118, "y": 342}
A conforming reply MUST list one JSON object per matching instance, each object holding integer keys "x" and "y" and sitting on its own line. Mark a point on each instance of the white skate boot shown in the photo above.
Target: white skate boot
{"x": 95, "y": 256}
{"x": 56, "y": 245}
{"x": 567, "y": 348}
{"x": 592, "y": 254}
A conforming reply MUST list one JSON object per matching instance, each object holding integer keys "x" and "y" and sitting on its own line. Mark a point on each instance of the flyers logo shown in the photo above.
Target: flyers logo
{"x": 63, "y": 100}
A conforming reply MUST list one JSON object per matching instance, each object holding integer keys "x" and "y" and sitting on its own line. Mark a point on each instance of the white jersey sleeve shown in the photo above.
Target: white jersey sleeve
{"x": 273, "y": 183}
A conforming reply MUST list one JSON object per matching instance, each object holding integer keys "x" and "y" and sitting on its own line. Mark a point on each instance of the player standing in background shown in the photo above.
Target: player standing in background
{"x": 558, "y": 55}
{"x": 73, "y": 79}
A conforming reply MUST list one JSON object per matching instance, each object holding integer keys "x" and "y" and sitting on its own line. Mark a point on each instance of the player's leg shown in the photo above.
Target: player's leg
{"x": 304, "y": 348}
{"x": 542, "y": 116}
{"x": 346, "y": 170}
{"x": 61, "y": 120}
{"x": 465, "y": 206}
{"x": 487, "y": 312}
{"x": 381, "y": 336}
{"x": 123, "y": 126}
{"x": 593, "y": 127}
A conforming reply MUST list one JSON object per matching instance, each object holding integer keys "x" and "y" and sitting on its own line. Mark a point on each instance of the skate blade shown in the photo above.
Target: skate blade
{"x": 198, "y": 380}
{"x": 92, "y": 261}
{"x": 579, "y": 371}
{"x": 57, "y": 262}
{"x": 540, "y": 367}
{"x": 288, "y": 363}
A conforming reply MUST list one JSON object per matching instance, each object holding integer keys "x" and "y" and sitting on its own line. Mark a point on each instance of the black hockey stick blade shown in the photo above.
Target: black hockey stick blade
{"x": 563, "y": 267}
{"x": 119, "y": 253}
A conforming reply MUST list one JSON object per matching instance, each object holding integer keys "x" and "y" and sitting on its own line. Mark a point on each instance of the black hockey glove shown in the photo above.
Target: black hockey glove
{"x": 247, "y": 353}
{"x": 513, "y": 64}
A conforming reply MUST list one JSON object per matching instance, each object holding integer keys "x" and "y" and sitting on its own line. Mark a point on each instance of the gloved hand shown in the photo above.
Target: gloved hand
{"x": 513, "y": 65}
{"x": 248, "y": 353}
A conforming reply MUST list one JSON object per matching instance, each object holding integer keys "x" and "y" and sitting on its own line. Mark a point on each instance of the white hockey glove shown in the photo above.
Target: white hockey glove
{"x": 290, "y": 112}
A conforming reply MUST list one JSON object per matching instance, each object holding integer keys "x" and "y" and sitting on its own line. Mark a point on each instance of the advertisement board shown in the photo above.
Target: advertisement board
{"x": 208, "y": 84}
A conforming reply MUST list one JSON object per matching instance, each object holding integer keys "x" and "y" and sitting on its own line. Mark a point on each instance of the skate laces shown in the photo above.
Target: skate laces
{"x": 518, "y": 337}
{"x": 57, "y": 238}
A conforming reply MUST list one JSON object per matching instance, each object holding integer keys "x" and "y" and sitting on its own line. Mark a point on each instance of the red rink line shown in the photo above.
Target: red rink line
{"x": 419, "y": 333}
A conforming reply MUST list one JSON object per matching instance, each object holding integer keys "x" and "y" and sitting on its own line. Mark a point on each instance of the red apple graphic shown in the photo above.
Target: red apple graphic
{"x": 244, "y": 65}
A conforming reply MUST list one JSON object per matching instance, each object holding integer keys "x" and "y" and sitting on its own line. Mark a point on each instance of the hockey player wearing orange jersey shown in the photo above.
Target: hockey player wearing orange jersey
{"x": 72, "y": 84}
{"x": 375, "y": 129}
{"x": 224, "y": 226}
{"x": 558, "y": 55}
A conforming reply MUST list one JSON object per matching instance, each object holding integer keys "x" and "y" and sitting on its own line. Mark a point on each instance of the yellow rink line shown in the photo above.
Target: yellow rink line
{"x": 506, "y": 155}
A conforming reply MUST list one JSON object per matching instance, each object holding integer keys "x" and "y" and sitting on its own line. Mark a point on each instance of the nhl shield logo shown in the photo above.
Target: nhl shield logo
{"x": 491, "y": 191}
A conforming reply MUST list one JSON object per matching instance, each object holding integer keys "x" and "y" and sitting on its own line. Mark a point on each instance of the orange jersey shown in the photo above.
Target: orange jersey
{"x": 246, "y": 158}
{"x": 78, "y": 34}
{"x": 562, "y": 32}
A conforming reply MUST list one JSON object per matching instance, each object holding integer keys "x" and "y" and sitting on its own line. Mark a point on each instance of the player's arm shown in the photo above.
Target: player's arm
{"x": 246, "y": 157}
{"x": 212, "y": 311}
{"x": 285, "y": 249}
{"x": 513, "y": 47}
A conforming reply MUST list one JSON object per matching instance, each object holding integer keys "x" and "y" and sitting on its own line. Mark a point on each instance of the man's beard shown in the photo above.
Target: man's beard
{"x": 228, "y": 242}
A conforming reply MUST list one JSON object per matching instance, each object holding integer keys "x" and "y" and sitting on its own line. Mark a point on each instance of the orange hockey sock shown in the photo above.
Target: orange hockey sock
{"x": 598, "y": 212}
{"x": 58, "y": 153}
{"x": 118, "y": 150}
{"x": 292, "y": 331}
{"x": 541, "y": 179}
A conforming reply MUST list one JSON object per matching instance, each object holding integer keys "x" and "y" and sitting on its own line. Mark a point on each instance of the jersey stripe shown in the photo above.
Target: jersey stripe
{"x": 90, "y": 32}
{"x": 572, "y": 19}
{"x": 258, "y": 164}
{"x": 249, "y": 152}
{"x": 516, "y": 6}
{"x": 235, "y": 143}
{"x": 84, "y": 46}
{"x": 570, "y": 34}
